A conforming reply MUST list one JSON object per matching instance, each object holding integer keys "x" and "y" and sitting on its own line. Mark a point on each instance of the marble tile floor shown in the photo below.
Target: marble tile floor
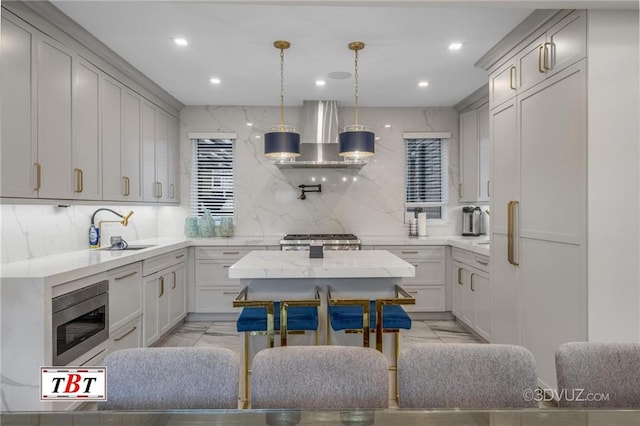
{"x": 224, "y": 334}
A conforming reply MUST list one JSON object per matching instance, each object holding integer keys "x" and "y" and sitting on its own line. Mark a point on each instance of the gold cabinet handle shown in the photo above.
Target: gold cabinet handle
{"x": 230, "y": 252}
{"x": 226, "y": 266}
{"x": 512, "y": 80}
{"x": 161, "y": 287}
{"x": 415, "y": 266}
{"x": 172, "y": 191}
{"x": 460, "y": 190}
{"x": 130, "y": 274}
{"x": 117, "y": 339}
{"x": 38, "y": 176}
{"x": 160, "y": 195}
{"x": 175, "y": 279}
{"x": 460, "y": 276}
{"x": 473, "y": 288}
{"x": 546, "y": 56}
{"x": 541, "y": 66}
{"x": 488, "y": 190}
{"x": 510, "y": 232}
{"x": 230, "y": 292}
{"x": 127, "y": 186}
{"x": 79, "y": 180}
{"x": 409, "y": 252}
{"x": 180, "y": 256}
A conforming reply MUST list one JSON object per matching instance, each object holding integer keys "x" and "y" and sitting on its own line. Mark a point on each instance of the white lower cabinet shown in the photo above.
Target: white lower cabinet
{"x": 214, "y": 290}
{"x": 164, "y": 290}
{"x": 428, "y": 285}
{"x": 471, "y": 291}
{"x": 128, "y": 336}
{"x": 125, "y": 294}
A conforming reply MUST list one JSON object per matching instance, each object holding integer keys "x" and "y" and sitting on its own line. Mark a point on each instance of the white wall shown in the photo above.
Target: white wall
{"x": 30, "y": 231}
{"x": 613, "y": 180}
{"x": 365, "y": 202}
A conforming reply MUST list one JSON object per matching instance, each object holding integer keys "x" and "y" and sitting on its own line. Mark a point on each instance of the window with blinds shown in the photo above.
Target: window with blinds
{"x": 213, "y": 178}
{"x": 427, "y": 177}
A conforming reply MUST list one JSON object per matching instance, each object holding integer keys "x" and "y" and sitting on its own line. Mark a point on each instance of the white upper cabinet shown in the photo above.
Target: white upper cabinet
{"x": 19, "y": 149}
{"x": 539, "y": 57}
{"x": 474, "y": 155}
{"x": 85, "y": 145}
{"x": 55, "y": 175}
{"x": 131, "y": 146}
{"x": 121, "y": 142}
{"x": 71, "y": 131}
{"x": 159, "y": 135}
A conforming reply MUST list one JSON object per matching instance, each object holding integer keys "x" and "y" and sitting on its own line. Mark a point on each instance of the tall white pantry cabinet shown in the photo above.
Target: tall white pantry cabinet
{"x": 540, "y": 137}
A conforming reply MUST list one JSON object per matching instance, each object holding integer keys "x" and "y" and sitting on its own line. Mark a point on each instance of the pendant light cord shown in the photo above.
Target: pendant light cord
{"x": 356, "y": 83}
{"x": 282, "y": 90}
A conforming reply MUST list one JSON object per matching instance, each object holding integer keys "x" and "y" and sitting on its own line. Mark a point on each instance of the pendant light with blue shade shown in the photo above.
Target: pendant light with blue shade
{"x": 282, "y": 143}
{"x": 357, "y": 141}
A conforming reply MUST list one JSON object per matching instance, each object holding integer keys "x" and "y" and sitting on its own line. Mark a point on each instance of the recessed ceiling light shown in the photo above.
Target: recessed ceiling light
{"x": 257, "y": 136}
{"x": 180, "y": 41}
{"x": 339, "y": 75}
{"x": 455, "y": 46}
{"x": 423, "y": 84}
{"x": 377, "y": 138}
{"x": 320, "y": 82}
{"x": 215, "y": 80}
{"x": 387, "y": 125}
{"x": 249, "y": 124}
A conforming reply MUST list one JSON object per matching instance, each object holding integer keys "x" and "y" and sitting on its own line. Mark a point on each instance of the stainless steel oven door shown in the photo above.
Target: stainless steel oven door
{"x": 79, "y": 328}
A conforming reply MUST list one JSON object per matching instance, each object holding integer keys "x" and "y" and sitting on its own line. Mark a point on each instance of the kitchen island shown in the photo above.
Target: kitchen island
{"x": 287, "y": 275}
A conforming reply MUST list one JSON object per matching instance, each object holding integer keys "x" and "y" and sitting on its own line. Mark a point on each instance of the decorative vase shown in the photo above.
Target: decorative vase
{"x": 206, "y": 224}
{"x": 191, "y": 228}
{"x": 226, "y": 227}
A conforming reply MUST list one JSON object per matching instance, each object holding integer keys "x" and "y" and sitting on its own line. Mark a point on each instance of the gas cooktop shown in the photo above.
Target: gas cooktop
{"x": 319, "y": 237}
{"x": 329, "y": 241}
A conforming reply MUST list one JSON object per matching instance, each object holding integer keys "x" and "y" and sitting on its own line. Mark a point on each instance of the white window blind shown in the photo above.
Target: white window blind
{"x": 213, "y": 177}
{"x": 427, "y": 162}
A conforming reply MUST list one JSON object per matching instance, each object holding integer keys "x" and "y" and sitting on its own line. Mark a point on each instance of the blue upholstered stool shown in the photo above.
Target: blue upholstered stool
{"x": 268, "y": 316}
{"x": 384, "y": 315}
{"x": 299, "y": 318}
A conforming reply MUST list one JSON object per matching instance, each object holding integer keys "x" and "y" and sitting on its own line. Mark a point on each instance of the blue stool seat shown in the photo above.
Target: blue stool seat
{"x": 350, "y": 317}
{"x": 298, "y": 318}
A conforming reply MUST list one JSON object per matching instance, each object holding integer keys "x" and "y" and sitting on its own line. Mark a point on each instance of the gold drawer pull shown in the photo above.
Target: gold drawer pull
{"x": 127, "y": 186}
{"x": 175, "y": 280}
{"x": 117, "y": 339}
{"x": 126, "y": 276}
{"x": 38, "y": 176}
{"x": 161, "y": 287}
{"x": 512, "y": 80}
{"x": 460, "y": 276}
{"x": 230, "y": 292}
{"x": 93, "y": 357}
{"x": 409, "y": 252}
{"x": 472, "y": 286}
{"x": 79, "y": 180}
{"x": 230, "y": 252}
{"x": 180, "y": 256}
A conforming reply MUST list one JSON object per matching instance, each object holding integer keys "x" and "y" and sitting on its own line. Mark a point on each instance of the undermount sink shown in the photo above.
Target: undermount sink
{"x": 131, "y": 247}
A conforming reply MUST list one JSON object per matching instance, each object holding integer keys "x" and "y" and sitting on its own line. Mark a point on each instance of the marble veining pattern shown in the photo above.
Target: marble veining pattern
{"x": 334, "y": 264}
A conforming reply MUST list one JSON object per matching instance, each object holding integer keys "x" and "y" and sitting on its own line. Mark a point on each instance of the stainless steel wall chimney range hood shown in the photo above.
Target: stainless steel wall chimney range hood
{"x": 319, "y": 139}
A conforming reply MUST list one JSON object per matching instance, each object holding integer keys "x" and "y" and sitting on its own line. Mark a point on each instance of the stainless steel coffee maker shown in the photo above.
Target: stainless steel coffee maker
{"x": 471, "y": 221}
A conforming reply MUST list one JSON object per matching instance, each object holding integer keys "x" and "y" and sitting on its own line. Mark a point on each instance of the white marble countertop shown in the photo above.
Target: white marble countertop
{"x": 64, "y": 267}
{"x": 334, "y": 264}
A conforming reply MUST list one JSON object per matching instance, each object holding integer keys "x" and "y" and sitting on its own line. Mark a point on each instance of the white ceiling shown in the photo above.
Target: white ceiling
{"x": 233, "y": 41}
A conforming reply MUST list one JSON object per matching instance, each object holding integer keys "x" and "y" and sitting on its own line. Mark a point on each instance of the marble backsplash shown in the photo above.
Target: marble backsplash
{"x": 365, "y": 202}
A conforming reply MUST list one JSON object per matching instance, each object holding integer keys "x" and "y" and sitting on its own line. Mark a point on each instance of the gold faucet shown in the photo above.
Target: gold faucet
{"x": 124, "y": 221}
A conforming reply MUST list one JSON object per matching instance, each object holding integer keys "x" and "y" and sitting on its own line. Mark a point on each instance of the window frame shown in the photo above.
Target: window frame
{"x": 195, "y": 185}
{"x": 444, "y": 178}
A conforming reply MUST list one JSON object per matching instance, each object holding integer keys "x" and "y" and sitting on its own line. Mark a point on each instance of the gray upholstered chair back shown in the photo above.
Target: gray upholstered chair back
{"x": 317, "y": 377}
{"x": 465, "y": 376}
{"x": 598, "y": 375}
{"x": 171, "y": 378}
